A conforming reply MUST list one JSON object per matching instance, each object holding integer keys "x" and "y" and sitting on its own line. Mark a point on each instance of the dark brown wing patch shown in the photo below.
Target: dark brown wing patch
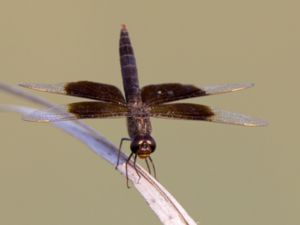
{"x": 97, "y": 110}
{"x": 182, "y": 111}
{"x": 97, "y": 91}
{"x": 161, "y": 93}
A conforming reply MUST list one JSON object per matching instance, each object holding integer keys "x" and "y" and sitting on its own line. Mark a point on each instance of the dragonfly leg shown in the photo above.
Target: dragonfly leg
{"x": 153, "y": 166}
{"x": 126, "y": 169}
{"x": 119, "y": 152}
{"x": 148, "y": 167}
{"x": 134, "y": 165}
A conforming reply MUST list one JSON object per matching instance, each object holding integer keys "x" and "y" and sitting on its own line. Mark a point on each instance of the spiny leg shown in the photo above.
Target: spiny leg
{"x": 153, "y": 166}
{"x": 126, "y": 168}
{"x": 119, "y": 152}
{"x": 148, "y": 167}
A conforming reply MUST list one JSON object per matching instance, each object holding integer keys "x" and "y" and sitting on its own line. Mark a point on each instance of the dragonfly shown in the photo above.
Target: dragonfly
{"x": 138, "y": 104}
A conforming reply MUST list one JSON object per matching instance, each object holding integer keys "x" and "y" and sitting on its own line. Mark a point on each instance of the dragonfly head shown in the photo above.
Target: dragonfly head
{"x": 143, "y": 146}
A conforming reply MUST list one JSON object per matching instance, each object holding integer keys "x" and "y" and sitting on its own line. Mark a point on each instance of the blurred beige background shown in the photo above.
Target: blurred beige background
{"x": 222, "y": 175}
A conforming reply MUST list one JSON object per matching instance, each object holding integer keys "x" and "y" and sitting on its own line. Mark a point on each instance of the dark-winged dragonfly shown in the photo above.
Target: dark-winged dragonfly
{"x": 138, "y": 105}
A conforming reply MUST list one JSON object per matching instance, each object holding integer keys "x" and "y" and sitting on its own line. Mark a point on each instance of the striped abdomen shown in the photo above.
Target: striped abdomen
{"x": 128, "y": 67}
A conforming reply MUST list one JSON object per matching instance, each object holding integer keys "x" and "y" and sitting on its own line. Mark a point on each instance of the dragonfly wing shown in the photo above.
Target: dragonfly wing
{"x": 78, "y": 110}
{"x": 162, "y": 93}
{"x": 189, "y": 111}
{"x": 84, "y": 89}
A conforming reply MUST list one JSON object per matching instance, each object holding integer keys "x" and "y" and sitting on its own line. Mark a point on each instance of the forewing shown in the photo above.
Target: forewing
{"x": 201, "y": 112}
{"x": 78, "y": 110}
{"x": 162, "y": 93}
{"x": 84, "y": 89}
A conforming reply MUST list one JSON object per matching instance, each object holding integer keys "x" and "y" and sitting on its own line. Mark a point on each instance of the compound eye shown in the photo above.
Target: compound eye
{"x": 153, "y": 145}
{"x": 134, "y": 146}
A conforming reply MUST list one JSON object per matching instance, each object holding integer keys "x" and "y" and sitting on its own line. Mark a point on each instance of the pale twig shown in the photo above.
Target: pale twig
{"x": 164, "y": 205}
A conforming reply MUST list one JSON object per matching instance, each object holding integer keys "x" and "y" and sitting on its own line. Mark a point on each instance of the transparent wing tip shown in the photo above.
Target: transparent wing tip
{"x": 255, "y": 122}
{"x": 29, "y": 85}
{"x": 49, "y": 115}
{"x": 237, "y": 118}
{"x": 225, "y": 88}
{"x": 31, "y": 117}
{"x": 55, "y": 88}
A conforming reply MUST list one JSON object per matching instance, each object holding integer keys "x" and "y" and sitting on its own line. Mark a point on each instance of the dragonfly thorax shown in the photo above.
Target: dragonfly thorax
{"x": 143, "y": 146}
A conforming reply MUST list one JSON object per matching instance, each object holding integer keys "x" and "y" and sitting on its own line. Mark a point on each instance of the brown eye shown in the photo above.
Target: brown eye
{"x": 134, "y": 146}
{"x": 153, "y": 146}
{"x": 151, "y": 143}
{"x": 143, "y": 145}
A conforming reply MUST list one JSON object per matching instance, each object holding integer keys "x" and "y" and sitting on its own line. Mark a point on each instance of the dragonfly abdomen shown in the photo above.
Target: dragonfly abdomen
{"x": 128, "y": 67}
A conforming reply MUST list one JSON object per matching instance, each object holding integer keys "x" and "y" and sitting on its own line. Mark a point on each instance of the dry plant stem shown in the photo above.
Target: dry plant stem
{"x": 164, "y": 205}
